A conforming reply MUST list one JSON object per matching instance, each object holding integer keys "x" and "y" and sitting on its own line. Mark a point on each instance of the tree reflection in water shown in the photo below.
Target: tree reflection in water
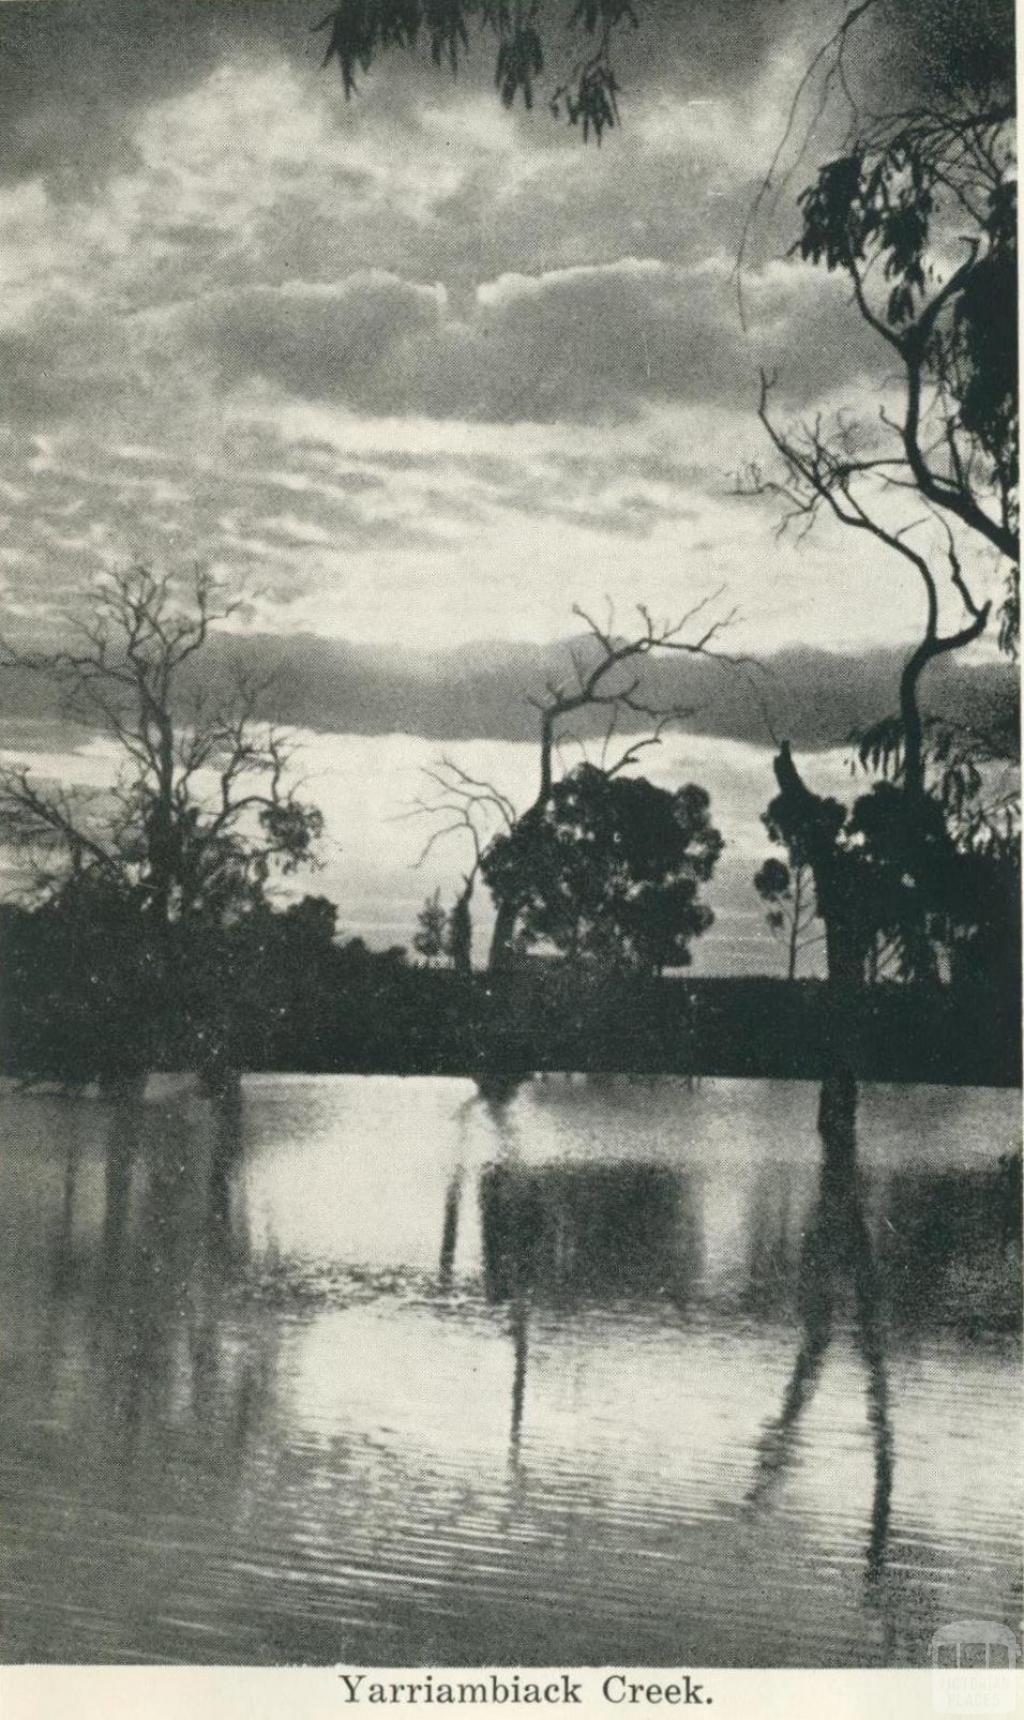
{"x": 497, "y": 1087}
{"x": 950, "y": 1248}
{"x": 450, "y": 1228}
{"x": 226, "y": 1232}
{"x": 497, "y": 1108}
{"x": 126, "y": 1117}
{"x": 567, "y": 1233}
{"x": 62, "y": 1252}
{"x": 173, "y": 1239}
{"x": 592, "y": 1231}
{"x": 836, "y": 1251}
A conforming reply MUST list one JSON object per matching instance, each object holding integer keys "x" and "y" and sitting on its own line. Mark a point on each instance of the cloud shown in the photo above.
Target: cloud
{"x": 588, "y": 344}
{"x": 423, "y": 369}
{"x": 256, "y": 222}
{"x": 354, "y": 341}
{"x": 76, "y": 73}
{"x": 374, "y": 528}
{"x": 411, "y": 362}
{"x": 483, "y": 690}
{"x": 599, "y": 340}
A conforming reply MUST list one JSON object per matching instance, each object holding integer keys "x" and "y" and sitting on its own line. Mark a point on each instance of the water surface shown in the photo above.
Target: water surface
{"x": 606, "y": 1374}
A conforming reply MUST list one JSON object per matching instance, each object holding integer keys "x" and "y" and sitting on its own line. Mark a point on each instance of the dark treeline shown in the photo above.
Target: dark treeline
{"x": 276, "y": 991}
{"x": 147, "y": 936}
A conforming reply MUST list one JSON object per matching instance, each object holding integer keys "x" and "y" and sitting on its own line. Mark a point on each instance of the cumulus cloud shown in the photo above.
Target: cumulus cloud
{"x": 75, "y": 76}
{"x": 314, "y": 242}
{"x": 586, "y": 344}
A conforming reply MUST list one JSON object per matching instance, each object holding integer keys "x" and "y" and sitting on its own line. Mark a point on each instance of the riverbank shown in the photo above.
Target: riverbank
{"x": 395, "y": 1018}
{"x": 433, "y": 1022}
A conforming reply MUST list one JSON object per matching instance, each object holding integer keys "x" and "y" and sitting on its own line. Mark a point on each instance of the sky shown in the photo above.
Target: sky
{"x": 420, "y": 374}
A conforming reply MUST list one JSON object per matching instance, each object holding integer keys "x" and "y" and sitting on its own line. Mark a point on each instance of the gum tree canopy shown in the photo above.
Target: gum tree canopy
{"x": 358, "y": 30}
{"x": 608, "y": 870}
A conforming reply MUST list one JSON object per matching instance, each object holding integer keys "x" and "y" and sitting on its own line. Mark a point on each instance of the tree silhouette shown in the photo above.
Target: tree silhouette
{"x": 896, "y": 891}
{"x": 459, "y": 930}
{"x": 792, "y": 910}
{"x": 182, "y": 844}
{"x": 609, "y": 871}
{"x": 586, "y": 87}
{"x": 919, "y": 214}
{"x": 606, "y": 674}
{"x": 909, "y": 194}
{"x": 430, "y": 941}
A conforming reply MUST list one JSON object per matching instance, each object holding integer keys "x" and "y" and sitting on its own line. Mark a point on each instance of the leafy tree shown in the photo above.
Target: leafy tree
{"x": 920, "y": 215}
{"x": 183, "y": 844}
{"x": 608, "y": 871}
{"x": 971, "y": 879}
{"x": 261, "y": 976}
{"x": 77, "y": 984}
{"x": 606, "y": 676}
{"x": 431, "y": 941}
{"x": 941, "y": 889}
{"x": 887, "y": 215}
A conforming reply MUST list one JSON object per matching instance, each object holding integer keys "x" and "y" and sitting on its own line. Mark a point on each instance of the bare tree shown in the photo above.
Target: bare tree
{"x": 202, "y": 809}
